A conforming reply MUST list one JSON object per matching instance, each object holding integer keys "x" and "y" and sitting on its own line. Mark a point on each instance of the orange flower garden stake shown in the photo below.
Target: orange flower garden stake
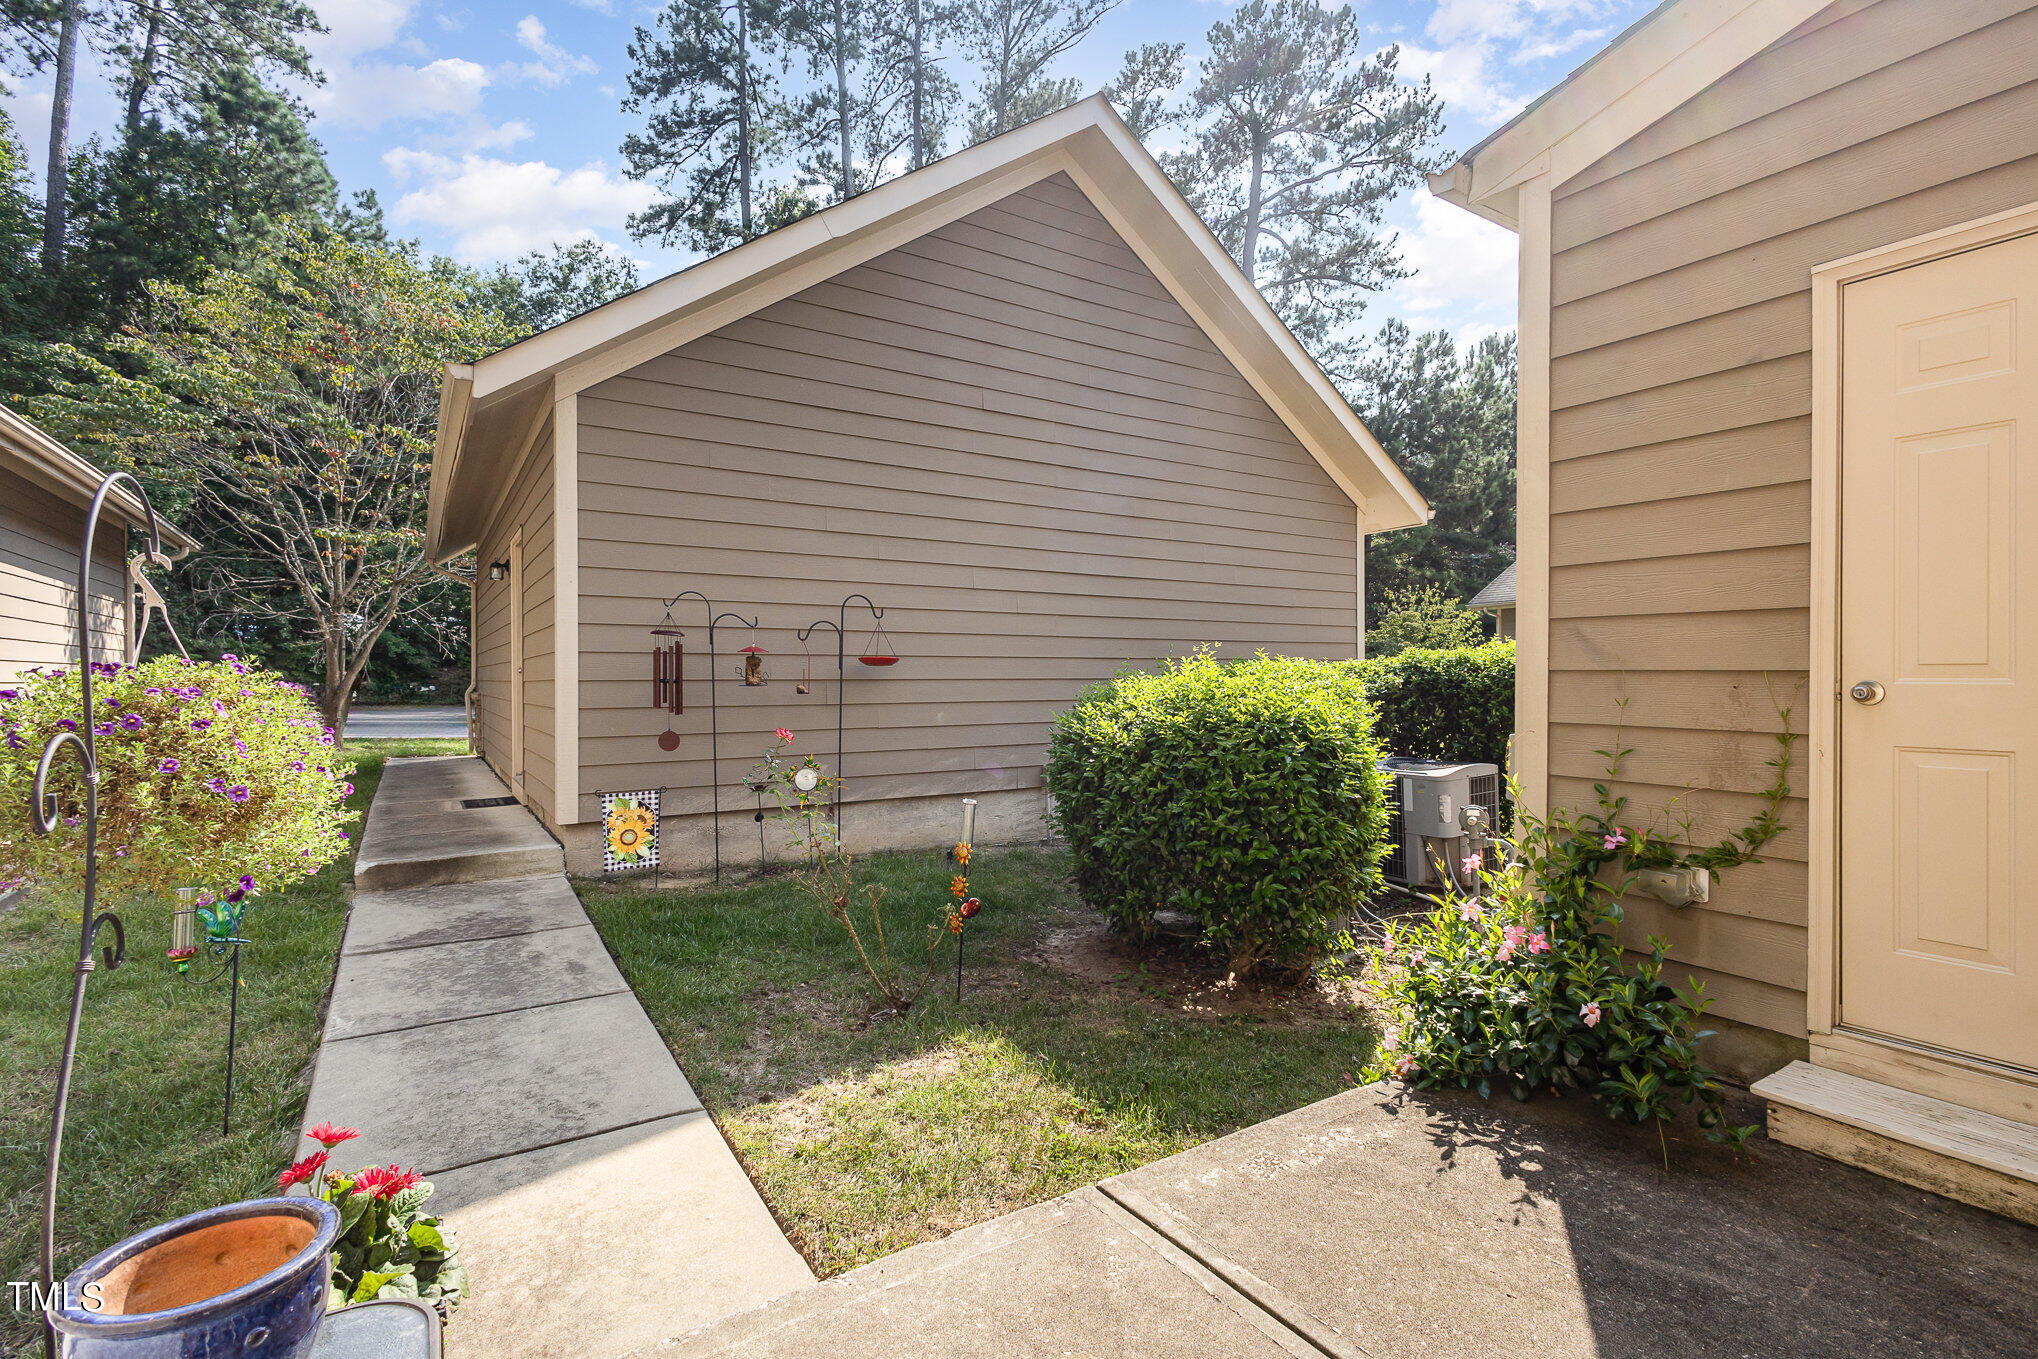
{"x": 966, "y": 906}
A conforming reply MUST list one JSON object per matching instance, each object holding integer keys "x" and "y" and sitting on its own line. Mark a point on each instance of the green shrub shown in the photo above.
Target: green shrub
{"x": 1424, "y": 618}
{"x": 1245, "y": 795}
{"x": 1444, "y": 705}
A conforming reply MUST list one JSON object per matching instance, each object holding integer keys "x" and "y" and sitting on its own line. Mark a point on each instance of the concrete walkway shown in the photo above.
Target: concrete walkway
{"x": 1438, "y": 1226}
{"x": 480, "y": 1032}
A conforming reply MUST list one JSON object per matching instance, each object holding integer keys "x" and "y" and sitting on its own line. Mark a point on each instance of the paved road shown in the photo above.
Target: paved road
{"x": 372, "y": 723}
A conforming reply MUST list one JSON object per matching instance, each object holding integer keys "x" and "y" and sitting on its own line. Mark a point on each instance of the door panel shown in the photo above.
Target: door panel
{"x": 1938, "y": 493}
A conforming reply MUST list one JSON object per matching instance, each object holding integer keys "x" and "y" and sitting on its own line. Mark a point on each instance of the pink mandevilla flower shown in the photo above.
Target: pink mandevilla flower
{"x": 1589, "y": 1012}
{"x": 1615, "y": 840}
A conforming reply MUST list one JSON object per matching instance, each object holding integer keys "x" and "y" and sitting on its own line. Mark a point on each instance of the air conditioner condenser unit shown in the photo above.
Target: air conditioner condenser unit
{"x": 1439, "y": 814}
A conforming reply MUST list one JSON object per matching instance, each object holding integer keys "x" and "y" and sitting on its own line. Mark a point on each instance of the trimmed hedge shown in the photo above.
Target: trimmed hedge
{"x": 1443, "y": 705}
{"x": 1244, "y": 794}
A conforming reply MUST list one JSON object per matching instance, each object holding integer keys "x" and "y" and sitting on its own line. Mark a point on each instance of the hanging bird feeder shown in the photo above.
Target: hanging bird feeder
{"x": 668, "y": 676}
{"x": 878, "y": 649}
{"x": 753, "y": 663}
{"x": 806, "y": 684}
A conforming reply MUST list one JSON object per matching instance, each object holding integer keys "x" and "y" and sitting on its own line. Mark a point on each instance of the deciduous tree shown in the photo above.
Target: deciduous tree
{"x": 293, "y": 397}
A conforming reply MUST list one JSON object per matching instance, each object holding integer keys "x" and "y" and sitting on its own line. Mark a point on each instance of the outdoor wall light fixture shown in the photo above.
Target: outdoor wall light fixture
{"x": 498, "y": 570}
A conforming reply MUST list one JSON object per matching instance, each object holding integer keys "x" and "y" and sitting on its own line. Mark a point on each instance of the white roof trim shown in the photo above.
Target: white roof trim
{"x": 1086, "y": 141}
{"x": 32, "y": 453}
{"x": 1676, "y": 52}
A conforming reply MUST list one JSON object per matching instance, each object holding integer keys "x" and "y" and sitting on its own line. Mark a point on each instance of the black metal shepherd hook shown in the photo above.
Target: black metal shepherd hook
{"x": 44, "y": 814}
{"x": 714, "y": 714}
{"x": 841, "y": 656}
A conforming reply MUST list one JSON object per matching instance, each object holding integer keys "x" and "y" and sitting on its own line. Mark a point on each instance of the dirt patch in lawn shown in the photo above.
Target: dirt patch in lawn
{"x": 1172, "y": 975}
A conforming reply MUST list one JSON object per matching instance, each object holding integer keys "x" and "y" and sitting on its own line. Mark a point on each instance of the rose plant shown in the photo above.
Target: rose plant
{"x": 388, "y": 1246}
{"x": 213, "y": 774}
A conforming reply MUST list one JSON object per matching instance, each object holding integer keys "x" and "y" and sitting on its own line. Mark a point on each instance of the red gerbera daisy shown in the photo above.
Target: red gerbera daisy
{"x": 329, "y": 1136}
{"x": 384, "y": 1182}
{"x": 302, "y": 1172}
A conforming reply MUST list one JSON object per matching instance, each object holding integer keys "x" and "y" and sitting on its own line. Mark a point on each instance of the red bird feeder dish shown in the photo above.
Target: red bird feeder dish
{"x": 878, "y": 649}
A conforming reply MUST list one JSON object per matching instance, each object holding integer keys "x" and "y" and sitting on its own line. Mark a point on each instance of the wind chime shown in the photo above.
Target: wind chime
{"x": 877, "y": 651}
{"x": 714, "y": 706}
{"x": 668, "y": 678}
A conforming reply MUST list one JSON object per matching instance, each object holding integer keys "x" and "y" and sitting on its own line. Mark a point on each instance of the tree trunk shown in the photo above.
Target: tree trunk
{"x": 58, "y": 182}
{"x": 336, "y": 696}
{"x": 142, "y": 74}
{"x": 919, "y": 88}
{"x": 842, "y": 100}
{"x": 743, "y": 111}
{"x": 1249, "y": 240}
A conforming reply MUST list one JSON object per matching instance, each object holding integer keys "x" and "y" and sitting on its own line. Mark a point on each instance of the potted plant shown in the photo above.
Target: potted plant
{"x": 250, "y": 1278}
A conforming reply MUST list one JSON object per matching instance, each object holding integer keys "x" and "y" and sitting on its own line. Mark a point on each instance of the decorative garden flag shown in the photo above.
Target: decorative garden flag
{"x": 629, "y": 823}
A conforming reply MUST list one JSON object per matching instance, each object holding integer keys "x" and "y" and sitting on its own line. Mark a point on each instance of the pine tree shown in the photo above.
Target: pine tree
{"x": 713, "y": 116}
{"x": 912, "y": 101}
{"x": 1014, "y": 43}
{"x": 1303, "y": 141}
{"x": 829, "y": 121}
{"x": 1446, "y": 416}
{"x": 1144, "y": 86}
{"x": 170, "y": 52}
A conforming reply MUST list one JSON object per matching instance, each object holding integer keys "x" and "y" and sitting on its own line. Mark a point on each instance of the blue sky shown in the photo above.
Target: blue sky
{"x": 489, "y": 129}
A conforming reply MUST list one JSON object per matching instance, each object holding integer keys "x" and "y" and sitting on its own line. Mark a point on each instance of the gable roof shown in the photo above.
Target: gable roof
{"x": 30, "y": 452}
{"x": 1499, "y": 592}
{"x": 490, "y": 409}
{"x": 1663, "y": 59}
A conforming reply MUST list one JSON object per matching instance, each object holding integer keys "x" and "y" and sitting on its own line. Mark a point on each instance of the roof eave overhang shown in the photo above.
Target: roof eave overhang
{"x": 1666, "y": 58}
{"x": 456, "y": 399}
{"x": 37, "y": 456}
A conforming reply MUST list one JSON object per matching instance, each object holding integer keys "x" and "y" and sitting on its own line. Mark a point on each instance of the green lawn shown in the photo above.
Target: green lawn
{"x": 1071, "y": 1057}
{"x": 143, "y": 1144}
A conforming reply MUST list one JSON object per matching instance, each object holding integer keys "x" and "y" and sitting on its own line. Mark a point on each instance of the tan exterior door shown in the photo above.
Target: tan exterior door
{"x": 516, "y": 678}
{"x": 1938, "y": 778}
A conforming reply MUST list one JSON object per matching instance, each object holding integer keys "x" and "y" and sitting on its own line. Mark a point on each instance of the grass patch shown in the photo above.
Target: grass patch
{"x": 1071, "y": 1057}
{"x": 142, "y": 1142}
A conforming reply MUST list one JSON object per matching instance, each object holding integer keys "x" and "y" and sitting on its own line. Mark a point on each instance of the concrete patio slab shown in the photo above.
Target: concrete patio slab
{"x": 1073, "y": 1276}
{"x": 447, "y": 1095}
{"x": 414, "y": 917}
{"x": 419, "y": 834}
{"x": 403, "y": 988}
{"x": 680, "y": 1233}
{"x": 1438, "y": 1226}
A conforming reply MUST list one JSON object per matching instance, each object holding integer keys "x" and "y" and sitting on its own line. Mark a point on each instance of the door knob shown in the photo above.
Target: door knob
{"x": 1867, "y": 691}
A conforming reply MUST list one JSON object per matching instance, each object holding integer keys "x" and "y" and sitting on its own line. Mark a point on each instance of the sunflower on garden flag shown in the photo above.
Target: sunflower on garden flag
{"x": 629, "y": 823}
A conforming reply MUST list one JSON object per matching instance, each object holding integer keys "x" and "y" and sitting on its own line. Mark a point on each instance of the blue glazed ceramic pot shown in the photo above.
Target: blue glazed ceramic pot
{"x": 247, "y": 1280}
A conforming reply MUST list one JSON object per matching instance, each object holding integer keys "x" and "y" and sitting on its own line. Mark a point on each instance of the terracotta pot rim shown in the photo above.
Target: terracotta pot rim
{"x": 325, "y": 1220}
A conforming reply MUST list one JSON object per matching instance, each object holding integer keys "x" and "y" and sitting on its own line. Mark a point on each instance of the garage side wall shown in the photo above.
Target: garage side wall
{"x": 1680, "y": 433}
{"x": 40, "y": 534}
{"x": 1009, "y": 435}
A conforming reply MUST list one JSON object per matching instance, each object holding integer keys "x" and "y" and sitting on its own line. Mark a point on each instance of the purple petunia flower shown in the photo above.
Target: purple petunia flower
{"x": 6, "y": 694}
{"x": 153, "y": 692}
{"x": 345, "y": 836}
{"x": 67, "y": 724}
{"x": 216, "y": 784}
{"x": 133, "y": 721}
{"x": 326, "y": 739}
{"x": 201, "y": 724}
{"x": 240, "y": 745}
{"x": 102, "y": 728}
{"x": 239, "y": 792}
{"x": 228, "y": 657}
{"x": 349, "y": 788}
{"x": 247, "y": 882}
{"x": 169, "y": 766}
{"x": 297, "y": 766}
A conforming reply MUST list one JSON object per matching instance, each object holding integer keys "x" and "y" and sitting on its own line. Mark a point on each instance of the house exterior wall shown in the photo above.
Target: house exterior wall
{"x": 1680, "y": 423}
{"x": 40, "y": 534}
{"x": 1009, "y": 435}
{"x": 527, "y": 504}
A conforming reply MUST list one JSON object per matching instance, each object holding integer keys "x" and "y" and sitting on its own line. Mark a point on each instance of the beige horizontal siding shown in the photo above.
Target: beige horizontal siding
{"x": 1680, "y": 428}
{"x": 527, "y": 503}
{"x": 40, "y": 537}
{"x": 1010, "y": 436}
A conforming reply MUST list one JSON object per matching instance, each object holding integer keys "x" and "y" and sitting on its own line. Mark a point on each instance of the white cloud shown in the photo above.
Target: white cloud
{"x": 1480, "y": 44}
{"x": 598, "y": 6}
{"x": 357, "y": 26}
{"x": 1465, "y": 77}
{"x": 498, "y": 209}
{"x": 1465, "y": 267}
{"x": 554, "y": 64}
{"x": 368, "y": 94}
